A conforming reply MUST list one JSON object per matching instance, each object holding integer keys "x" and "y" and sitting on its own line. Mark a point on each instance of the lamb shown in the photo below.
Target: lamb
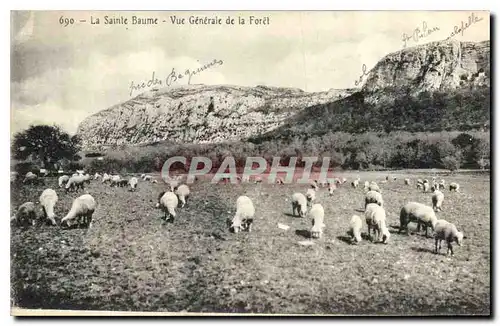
{"x": 454, "y": 186}
{"x": 374, "y": 197}
{"x": 355, "y": 229}
{"x": 331, "y": 188}
{"x": 415, "y": 212}
{"x": 82, "y": 208}
{"x": 374, "y": 187}
{"x": 25, "y": 214}
{"x": 63, "y": 180}
{"x": 299, "y": 203}
{"x": 168, "y": 201}
{"x": 407, "y": 182}
{"x": 133, "y": 183}
{"x": 317, "y": 214}
{"x": 355, "y": 183}
{"x": 311, "y": 196}
{"x": 48, "y": 200}
{"x": 75, "y": 182}
{"x": 447, "y": 231}
{"x": 30, "y": 177}
{"x": 243, "y": 218}
{"x": 183, "y": 193}
{"x": 437, "y": 200}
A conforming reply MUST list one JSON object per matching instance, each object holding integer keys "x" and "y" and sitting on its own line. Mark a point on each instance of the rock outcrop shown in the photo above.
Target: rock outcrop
{"x": 198, "y": 114}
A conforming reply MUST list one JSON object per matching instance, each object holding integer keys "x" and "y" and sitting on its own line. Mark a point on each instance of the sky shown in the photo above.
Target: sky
{"x": 62, "y": 74}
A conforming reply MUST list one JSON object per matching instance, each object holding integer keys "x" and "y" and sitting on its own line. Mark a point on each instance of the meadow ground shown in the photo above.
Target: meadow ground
{"x": 131, "y": 260}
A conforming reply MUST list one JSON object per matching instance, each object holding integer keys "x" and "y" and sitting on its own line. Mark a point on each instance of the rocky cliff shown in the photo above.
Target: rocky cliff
{"x": 198, "y": 114}
{"x": 436, "y": 66}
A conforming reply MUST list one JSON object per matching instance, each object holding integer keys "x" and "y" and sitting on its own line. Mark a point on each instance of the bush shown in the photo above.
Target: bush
{"x": 451, "y": 163}
{"x": 24, "y": 167}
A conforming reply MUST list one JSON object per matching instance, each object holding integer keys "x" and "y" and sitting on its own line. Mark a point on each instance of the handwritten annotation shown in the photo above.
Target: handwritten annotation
{"x": 472, "y": 19}
{"x": 418, "y": 34}
{"x": 172, "y": 77}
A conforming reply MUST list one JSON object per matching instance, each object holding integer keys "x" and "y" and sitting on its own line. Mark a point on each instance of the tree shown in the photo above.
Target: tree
{"x": 451, "y": 163}
{"x": 46, "y": 144}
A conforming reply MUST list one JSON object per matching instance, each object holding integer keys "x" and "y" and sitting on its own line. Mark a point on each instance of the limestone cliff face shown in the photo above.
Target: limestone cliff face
{"x": 434, "y": 66}
{"x": 198, "y": 114}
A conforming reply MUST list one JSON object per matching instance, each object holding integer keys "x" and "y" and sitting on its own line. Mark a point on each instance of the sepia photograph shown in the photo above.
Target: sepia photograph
{"x": 206, "y": 163}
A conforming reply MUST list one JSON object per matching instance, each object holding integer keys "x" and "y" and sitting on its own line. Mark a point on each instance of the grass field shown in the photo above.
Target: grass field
{"x": 133, "y": 261}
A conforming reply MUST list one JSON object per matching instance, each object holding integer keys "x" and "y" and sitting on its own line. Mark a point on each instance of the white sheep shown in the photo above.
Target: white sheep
{"x": 63, "y": 179}
{"x": 322, "y": 182}
{"x": 25, "y": 215}
{"x": 355, "y": 183}
{"x": 437, "y": 200}
{"x": 80, "y": 172}
{"x": 442, "y": 184}
{"x": 173, "y": 184}
{"x": 331, "y": 188}
{"x": 454, "y": 186}
{"x": 447, "y": 231}
{"x": 106, "y": 177}
{"x": 147, "y": 178}
{"x": 310, "y": 195}
{"x": 48, "y": 200}
{"x": 133, "y": 184}
{"x": 154, "y": 181}
{"x": 75, "y": 182}
{"x": 407, "y": 182}
{"x": 82, "y": 208}
{"x": 317, "y": 215}
{"x": 142, "y": 176}
{"x": 374, "y": 197}
{"x": 115, "y": 179}
{"x": 367, "y": 185}
{"x": 243, "y": 218}
{"x": 355, "y": 229}
{"x": 299, "y": 203}
{"x": 426, "y": 186}
{"x": 30, "y": 177}
{"x": 422, "y": 214}
{"x": 97, "y": 176}
{"x": 86, "y": 178}
{"x": 314, "y": 185}
{"x": 279, "y": 180}
{"x": 168, "y": 201}
{"x": 374, "y": 187}
{"x": 183, "y": 193}
{"x": 370, "y": 210}
{"x": 380, "y": 230}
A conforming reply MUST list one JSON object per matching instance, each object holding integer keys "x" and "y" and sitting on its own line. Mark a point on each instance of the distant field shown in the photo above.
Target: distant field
{"x": 133, "y": 261}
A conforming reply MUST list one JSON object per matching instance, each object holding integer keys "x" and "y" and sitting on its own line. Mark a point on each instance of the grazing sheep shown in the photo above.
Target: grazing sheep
{"x": 97, "y": 176}
{"x": 407, "y": 182}
{"x": 147, "y": 178}
{"x": 454, "y": 186}
{"x": 122, "y": 183}
{"x": 422, "y": 214}
{"x": 142, "y": 176}
{"x": 314, "y": 185}
{"x": 82, "y": 210}
{"x": 447, "y": 231}
{"x": 168, "y": 201}
{"x": 75, "y": 182}
{"x": 86, "y": 178}
{"x": 25, "y": 214}
{"x": 367, "y": 185}
{"x": 437, "y": 200}
{"x": 355, "y": 183}
{"x": 380, "y": 230}
{"x": 374, "y": 187}
{"x": 183, "y": 193}
{"x": 317, "y": 215}
{"x": 63, "y": 180}
{"x": 243, "y": 218}
{"x": 355, "y": 229}
{"x": 426, "y": 186}
{"x": 114, "y": 180}
{"x": 441, "y": 184}
{"x": 311, "y": 196}
{"x": 48, "y": 200}
{"x": 280, "y": 181}
{"x": 370, "y": 210}
{"x": 331, "y": 188}
{"x": 154, "y": 181}
{"x": 133, "y": 183}
{"x": 173, "y": 184}
{"x": 374, "y": 197}
{"x": 344, "y": 180}
{"x": 299, "y": 203}
{"x": 106, "y": 177}
{"x": 30, "y": 177}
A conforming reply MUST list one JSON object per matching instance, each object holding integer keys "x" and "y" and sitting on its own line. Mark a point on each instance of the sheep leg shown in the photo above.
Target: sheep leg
{"x": 293, "y": 209}
{"x": 450, "y": 248}
{"x": 436, "y": 245}
{"x": 52, "y": 220}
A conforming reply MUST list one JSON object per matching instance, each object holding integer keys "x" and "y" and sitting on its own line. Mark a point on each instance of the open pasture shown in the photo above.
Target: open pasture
{"x": 131, "y": 260}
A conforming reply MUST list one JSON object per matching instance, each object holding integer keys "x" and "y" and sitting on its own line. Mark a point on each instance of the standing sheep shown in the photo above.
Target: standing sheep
{"x": 441, "y": 184}
{"x": 75, "y": 182}
{"x": 331, "y": 188}
{"x": 83, "y": 208}
{"x": 317, "y": 215}
{"x": 133, "y": 183}
{"x": 437, "y": 200}
{"x": 183, "y": 193}
{"x": 25, "y": 214}
{"x": 426, "y": 186}
{"x": 168, "y": 201}
{"x": 173, "y": 184}
{"x": 369, "y": 213}
{"x": 299, "y": 203}
{"x": 355, "y": 183}
{"x": 374, "y": 197}
{"x": 380, "y": 230}
{"x": 367, "y": 185}
{"x": 48, "y": 200}
{"x": 415, "y": 212}
{"x": 311, "y": 196}
{"x": 114, "y": 180}
{"x": 63, "y": 180}
{"x": 355, "y": 229}
{"x": 454, "y": 186}
{"x": 30, "y": 177}
{"x": 243, "y": 218}
{"x": 447, "y": 231}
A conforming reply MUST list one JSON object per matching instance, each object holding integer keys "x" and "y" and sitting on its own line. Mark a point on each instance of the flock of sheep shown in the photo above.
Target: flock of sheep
{"x": 84, "y": 206}
{"x": 375, "y": 215}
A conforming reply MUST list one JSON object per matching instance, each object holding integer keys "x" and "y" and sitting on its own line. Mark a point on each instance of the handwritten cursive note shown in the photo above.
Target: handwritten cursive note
{"x": 173, "y": 77}
{"x": 472, "y": 19}
{"x": 364, "y": 73}
{"x": 418, "y": 34}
